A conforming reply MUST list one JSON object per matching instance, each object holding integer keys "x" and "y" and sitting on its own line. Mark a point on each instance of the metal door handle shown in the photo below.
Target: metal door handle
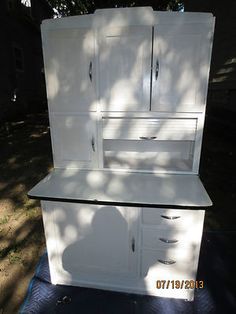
{"x": 147, "y": 137}
{"x": 167, "y": 262}
{"x": 90, "y": 71}
{"x": 168, "y": 241}
{"x": 93, "y": 144}
{"x": 170, "y": 217}
{"x": 157, "y": 70}
{"x": 133, "y": 245}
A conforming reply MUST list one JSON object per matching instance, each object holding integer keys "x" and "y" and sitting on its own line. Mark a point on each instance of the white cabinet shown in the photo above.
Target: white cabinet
{"x": 124, "y": 68}
{"x": 70, "y": 69}
{"x": 126, "y": 93}
{"x": 181, "y": 56}
{"x": 74, "y": 140}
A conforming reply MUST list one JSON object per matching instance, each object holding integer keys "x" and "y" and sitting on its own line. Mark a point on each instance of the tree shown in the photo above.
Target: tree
{"x": 78, "y": 7}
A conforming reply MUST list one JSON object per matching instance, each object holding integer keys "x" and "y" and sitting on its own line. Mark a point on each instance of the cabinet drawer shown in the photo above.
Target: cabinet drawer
{"x": 150, "y": 129}
{"x": 168, "y": 264}
{"x": 158, "y": 238}
{"x": 173, "y": 218}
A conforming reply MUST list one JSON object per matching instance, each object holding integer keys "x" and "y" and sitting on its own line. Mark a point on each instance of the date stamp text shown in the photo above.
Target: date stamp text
{"x": 179, "y": 284}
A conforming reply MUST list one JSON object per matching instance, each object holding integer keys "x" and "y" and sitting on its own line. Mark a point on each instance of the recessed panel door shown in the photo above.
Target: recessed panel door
{"x": 74, "y": 140}
{"x": 125, "y": 68}
{"x": 70, "y": 69}
{"x": 95, "y": 243}
{"x": 181, "y": 56}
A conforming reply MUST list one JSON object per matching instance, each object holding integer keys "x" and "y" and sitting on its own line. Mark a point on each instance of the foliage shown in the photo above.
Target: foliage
{"x": 78, "y": 7}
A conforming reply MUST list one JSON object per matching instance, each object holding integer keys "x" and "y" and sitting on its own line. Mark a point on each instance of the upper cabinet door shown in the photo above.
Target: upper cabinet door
{"x": 181, "y": 61}
{"x": 124, "y": 68}
{"x": 74, "y": 140}
{"x": 70, "y": 69}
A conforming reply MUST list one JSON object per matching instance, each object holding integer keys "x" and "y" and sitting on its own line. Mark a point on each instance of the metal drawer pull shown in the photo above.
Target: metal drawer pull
{"x": 147, "y": 137}
{"x": 169, "y": 262}
{"x": 90, "y": 71}
{"x": 133, "y": 244}
{"x": 93, "y": 144}
{"x": 170, "y": 217}
{"x": 168, "y": 241}
{"x": 157, "y": 69}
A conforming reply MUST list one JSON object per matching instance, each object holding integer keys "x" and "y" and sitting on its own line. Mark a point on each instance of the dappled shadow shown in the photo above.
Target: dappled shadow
{"x": 95, "y": 244}
{"x": 23, "y": 247}
{"x": 25, "y": 159}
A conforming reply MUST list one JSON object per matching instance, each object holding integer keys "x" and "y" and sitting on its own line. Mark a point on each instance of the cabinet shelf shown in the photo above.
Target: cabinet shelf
{"x": 149, "y": 144}
{"x": 167, "y": 155}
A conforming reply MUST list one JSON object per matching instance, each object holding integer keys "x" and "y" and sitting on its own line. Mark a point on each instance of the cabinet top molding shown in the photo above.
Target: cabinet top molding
{"x": 144, "y": 16}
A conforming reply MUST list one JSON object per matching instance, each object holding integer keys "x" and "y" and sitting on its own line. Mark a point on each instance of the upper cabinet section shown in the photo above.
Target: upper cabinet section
{"x": 70, "y": 69}
{"x": 128, "y": 59}
{"x": 181, "y": 60}
{"x": 124, "y": 68}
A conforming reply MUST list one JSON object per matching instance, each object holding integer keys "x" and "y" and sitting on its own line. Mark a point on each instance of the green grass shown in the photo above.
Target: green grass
{"x": 4, "y": 220}
{"x": 14, "y": 256}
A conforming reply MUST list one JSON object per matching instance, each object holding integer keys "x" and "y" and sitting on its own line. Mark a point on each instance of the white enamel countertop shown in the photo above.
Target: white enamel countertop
{"x": 120, "y": 187}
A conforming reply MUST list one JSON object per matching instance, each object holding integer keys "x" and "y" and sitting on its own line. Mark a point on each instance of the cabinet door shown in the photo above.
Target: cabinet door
{"x": 69, "y": 67}
{"x": 92, "y": 243}
{"x": 124, "y": 68}
{"x": 74, "y": 140}
{"x": 181, "y": 60}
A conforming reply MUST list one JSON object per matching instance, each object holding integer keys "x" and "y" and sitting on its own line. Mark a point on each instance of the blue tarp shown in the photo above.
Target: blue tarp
{"x": 216, "y": 268}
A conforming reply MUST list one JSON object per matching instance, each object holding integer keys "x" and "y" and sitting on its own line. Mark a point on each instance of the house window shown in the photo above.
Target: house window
{"x": 26, "y": 6}
{"x": 19, "y": 59}
{"x": 26, "y": 3}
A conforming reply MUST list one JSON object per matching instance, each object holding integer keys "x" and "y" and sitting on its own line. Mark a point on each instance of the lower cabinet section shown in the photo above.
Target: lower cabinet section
{"x": 121, "y": 248}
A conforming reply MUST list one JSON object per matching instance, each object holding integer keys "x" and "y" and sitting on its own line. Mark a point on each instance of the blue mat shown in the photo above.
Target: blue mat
{"x": 216, "y": 268}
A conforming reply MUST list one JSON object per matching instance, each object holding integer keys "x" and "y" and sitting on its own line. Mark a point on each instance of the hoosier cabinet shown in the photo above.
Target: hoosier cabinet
{"x": 124, "y": 207}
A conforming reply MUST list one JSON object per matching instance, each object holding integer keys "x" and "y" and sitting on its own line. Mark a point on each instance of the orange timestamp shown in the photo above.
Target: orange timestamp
{"x": 179, "y": 284}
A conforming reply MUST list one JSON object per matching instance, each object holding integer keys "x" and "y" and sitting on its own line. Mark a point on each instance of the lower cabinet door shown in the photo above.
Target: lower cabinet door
{"x": 91, "y": 243}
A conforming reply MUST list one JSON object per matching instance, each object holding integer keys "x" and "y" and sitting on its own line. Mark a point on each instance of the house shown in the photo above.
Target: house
{"x": 22, "y": 85}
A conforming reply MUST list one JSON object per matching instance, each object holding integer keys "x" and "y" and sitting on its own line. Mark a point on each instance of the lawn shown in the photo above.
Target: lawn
{"x": 26, "y": 159}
